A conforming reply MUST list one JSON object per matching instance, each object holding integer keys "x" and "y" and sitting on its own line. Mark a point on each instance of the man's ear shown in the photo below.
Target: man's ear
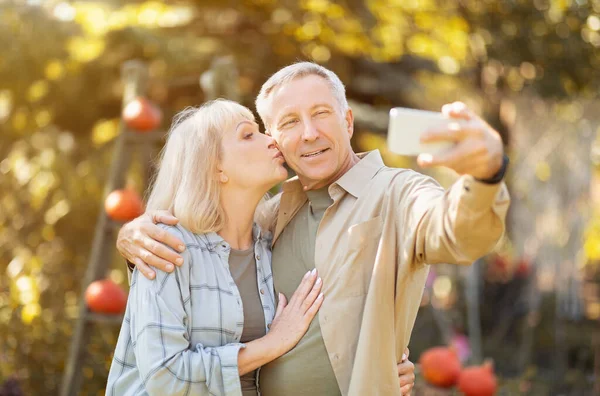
{"x": 349, "y": 117}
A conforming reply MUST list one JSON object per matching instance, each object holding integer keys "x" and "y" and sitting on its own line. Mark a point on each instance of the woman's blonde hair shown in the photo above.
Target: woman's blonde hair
{"x": 186, "y": 183}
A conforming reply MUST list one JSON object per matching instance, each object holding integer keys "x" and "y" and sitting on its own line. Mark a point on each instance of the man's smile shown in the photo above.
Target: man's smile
{"x": 314, "y": 153}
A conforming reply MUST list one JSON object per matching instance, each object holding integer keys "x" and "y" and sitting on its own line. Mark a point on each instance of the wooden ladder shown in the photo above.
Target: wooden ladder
{"x": 134, "y": 75}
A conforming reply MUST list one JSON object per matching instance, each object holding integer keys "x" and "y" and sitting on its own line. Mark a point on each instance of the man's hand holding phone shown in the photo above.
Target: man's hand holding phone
{"x": 457, "y": 138}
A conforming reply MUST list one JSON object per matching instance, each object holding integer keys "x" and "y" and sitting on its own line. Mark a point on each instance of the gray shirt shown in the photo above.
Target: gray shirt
{"x": 306, "y": 369}
{"x": 242, "y": 264}
{"x": 181, "y": 332}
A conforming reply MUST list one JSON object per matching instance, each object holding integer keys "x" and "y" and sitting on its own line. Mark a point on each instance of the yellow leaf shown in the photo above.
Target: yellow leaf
{"x": 335, "y": 11}
{"x": 448, "y": 65}
{"x": 420, "y": 44}
{"x": 37, "y": 90}
{"x": 43, "y": 118}
{"x": 54, "y": 70}
{"x": 30, "y": 312}
{"x": 104, "y": 131}
{"x": 85, "y": 49}
{"x": 320, "y": 53}
{"x": 6, "y": 103}
{"x": 318, "y": 6}
{"x": 543, "y": 171}
{"x": 48, "y": 232}
{"x": 308, "y": 31}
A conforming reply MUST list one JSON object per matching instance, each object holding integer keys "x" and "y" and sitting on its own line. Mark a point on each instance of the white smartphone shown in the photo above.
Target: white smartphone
{"x": 406, "y": 127}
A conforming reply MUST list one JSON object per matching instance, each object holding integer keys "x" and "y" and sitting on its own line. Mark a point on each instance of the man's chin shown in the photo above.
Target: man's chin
{"x": 317, "y": 179}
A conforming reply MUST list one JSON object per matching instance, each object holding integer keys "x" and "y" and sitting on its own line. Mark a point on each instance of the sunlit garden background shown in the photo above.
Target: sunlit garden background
{"x": 531, "y": 68}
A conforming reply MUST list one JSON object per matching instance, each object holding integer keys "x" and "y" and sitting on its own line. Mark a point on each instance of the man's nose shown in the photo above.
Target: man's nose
{"x": 310, "y": 132}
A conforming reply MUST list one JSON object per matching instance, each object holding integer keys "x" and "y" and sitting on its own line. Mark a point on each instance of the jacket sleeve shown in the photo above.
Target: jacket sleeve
{"x": 458, "y": 225}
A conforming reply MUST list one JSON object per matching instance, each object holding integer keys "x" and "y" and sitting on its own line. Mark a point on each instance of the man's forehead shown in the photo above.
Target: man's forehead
{"x": 295, "y": 107}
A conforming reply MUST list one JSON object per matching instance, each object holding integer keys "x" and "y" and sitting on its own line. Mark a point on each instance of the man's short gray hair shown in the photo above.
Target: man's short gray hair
{"x": 292, "y": 72}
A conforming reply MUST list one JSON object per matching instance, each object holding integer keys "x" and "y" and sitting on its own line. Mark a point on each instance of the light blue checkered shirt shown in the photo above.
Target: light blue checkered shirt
{"x": 181, "y": 332}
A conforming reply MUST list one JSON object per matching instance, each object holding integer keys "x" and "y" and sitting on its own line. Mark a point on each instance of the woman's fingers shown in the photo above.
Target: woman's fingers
{"x": 314, "y": 308}
{"x": 305, "y": 286}
{"x": 281, "y": 305}
{"x": 312, "y": 295}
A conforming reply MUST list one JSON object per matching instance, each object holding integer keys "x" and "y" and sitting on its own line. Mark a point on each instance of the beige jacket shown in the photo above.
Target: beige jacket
{"x": 372, "y": 251}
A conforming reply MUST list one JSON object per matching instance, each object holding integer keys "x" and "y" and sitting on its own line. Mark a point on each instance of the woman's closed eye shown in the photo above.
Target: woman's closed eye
{"x": 248, "y": 135}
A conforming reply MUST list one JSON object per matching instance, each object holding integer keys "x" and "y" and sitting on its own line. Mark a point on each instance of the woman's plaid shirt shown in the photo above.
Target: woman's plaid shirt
{"x": 181, "y": 332}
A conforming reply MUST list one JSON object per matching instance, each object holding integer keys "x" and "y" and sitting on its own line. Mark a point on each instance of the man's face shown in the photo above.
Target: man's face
{"x": 310, "y": 130}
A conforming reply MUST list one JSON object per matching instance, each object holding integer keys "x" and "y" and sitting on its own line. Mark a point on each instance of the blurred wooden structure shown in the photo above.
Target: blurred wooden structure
{"x": 134, "y": 75}
{"x": 550, "y": 208}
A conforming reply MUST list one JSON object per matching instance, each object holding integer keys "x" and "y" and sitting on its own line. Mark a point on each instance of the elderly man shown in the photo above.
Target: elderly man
{"x": 370, "y": 231}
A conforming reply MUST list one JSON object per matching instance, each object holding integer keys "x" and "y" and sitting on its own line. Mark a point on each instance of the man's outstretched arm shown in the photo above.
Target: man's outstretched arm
{"x": 466, "y": 221}
{"x": 146, "y": 245}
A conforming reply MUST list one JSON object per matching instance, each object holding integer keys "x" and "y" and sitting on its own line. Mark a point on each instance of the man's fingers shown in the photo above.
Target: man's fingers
{"x": 154, "y": 261}
{"x": 452, "y": 132}
{"x": 451, "y": 157}
{"x": 405, "y": 368}
{"x": 407, "y": 379}
{"x": 161, "y": 251}
{"x": 163, "y": 236}
{"x": 143, "y": 268}
{"x": 164, "y": 216}
{"x": 457, "y": 110}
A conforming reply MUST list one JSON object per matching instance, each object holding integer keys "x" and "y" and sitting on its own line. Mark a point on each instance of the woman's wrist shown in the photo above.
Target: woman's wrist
{"x": 275, "y": 345}
{"x": 259, "y": 352}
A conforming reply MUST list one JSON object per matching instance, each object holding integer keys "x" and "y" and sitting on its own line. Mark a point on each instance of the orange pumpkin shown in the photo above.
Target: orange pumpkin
{"x": 142, "y": 115}
{"x": 478, "y": 381}
{"x": 104, "y": 296}
{"x": 523, "y": 268}
{"x": 123, "y": 205}
{"x": 440, "y": 366}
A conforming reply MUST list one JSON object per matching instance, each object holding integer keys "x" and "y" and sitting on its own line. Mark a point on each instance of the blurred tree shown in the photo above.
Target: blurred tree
{"x": 60, "y": 100}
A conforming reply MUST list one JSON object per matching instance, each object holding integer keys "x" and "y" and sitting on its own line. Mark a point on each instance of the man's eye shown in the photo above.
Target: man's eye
{"x": 290, "y": 122}
{"x": 322, "y": 112}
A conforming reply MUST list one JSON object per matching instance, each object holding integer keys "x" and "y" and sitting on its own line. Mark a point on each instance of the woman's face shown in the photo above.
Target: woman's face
{"x": 251, "y": 160}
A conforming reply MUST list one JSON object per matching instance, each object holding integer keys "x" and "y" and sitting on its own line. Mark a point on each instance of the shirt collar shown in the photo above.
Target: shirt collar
{"x": 217, "y": 241}
{"x": 354, "y": 181}
{"x": 357, "y": 178}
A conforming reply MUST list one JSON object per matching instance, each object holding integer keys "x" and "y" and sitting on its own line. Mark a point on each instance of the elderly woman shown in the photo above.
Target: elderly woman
{"x": 196, "y": 330}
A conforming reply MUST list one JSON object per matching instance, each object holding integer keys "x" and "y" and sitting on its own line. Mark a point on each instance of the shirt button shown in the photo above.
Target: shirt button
{"x": 269, "y": 326}
{"x": 262, "y": 291}
{"x": 258, "y": 257}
